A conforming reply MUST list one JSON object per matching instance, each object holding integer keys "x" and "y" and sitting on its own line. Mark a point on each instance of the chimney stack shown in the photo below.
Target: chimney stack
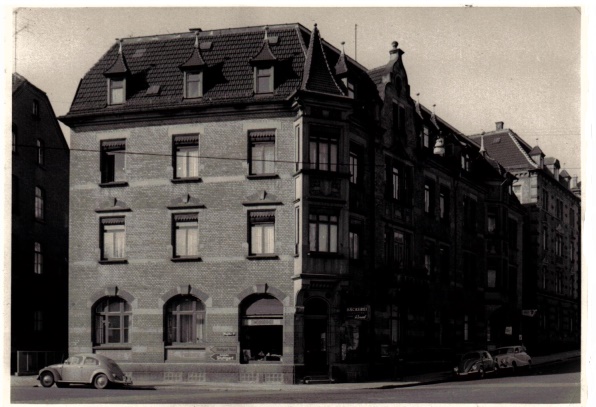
{"x": 499, "y": 125}
{"x": 573, "y": 183}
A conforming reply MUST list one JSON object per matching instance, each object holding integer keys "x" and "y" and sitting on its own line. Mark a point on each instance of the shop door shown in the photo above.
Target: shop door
{"x": 316, "y": 337}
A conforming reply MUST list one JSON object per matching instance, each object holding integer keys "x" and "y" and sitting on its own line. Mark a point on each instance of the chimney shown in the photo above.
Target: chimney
{"x": 499, "y": 125}
{"x": 573, "y": 183}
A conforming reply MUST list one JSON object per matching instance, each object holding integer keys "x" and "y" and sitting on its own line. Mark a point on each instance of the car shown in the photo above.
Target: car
{"x": 86, "y": 368}
{"x": 512, "y": 358}
{"x": 475, "y": 364}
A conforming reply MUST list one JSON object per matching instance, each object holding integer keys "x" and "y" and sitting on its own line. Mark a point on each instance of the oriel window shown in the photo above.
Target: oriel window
{"x": 323, "y": 232}
{"x": 323, "y": 148}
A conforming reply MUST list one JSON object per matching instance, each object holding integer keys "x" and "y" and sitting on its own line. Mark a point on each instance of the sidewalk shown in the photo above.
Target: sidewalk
{"x": 434, "y": 377}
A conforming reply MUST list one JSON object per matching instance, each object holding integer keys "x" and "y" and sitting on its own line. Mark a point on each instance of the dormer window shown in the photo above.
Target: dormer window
{"x": 117, "y": 93}
{"x": 264, "y": 79}
{"x": 465, "y": 162}
{"x": 193, "y": 86}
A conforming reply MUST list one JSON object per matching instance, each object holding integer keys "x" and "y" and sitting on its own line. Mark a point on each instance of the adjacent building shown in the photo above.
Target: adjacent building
{"x": 552, "y": 276}
{"x": 39, "y": 238}
{"x": 253, "y": 205}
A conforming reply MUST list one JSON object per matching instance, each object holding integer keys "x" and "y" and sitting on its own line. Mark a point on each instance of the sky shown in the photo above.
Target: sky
{"x": 477, "y": 65}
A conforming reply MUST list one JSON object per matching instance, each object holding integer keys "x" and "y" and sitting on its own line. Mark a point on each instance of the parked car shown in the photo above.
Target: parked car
{"x": 512, "y": 357}
{"x": 90, "y": 368}
{"x": 475, "y": 364}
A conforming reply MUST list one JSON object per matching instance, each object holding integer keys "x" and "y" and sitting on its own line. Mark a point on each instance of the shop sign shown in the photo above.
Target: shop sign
{"x": 222, "y": 349}
{"x": 529, "y": 312}
{"x": 224, "y": 357}
{"x": 261, "y": 322}
{"x": 361, "y": 313}
{"x": 508, "y": 330}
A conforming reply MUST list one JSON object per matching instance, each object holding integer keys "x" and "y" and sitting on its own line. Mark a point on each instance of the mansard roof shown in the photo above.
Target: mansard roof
{"x": 508, "y": 149}
{"x": 228, "y": 74}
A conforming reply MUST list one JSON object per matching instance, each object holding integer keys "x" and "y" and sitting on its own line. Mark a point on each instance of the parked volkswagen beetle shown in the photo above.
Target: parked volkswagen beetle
{"x": 98, "y": 370}
{"x": 475, "y": 363}
{"x": 512, "y": 357}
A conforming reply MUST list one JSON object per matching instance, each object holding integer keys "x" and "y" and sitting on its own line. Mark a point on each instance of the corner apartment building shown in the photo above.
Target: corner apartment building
{"x": 39, "y": 238}
{"x": 236, "y": 215}
{"x": 552, "y": 284}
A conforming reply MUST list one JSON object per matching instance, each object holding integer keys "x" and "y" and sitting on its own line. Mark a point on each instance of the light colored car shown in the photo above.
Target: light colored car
{"x": 476, "y": 363}
{"x": 512, "y": 357}
{"x": 98, "y": 370}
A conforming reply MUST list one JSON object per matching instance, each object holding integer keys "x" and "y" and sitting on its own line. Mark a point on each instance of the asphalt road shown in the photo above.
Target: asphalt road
{"x": 552, "y": 384}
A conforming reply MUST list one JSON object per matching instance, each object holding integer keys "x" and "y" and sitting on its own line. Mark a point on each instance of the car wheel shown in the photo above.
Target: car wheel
{"x": 101, "y": 381}
{"x": 47, "y": 379}
{"x": 481, "y": 372}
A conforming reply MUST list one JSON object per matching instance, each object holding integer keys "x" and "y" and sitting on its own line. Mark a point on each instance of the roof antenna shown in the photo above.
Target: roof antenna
{"x": 356, "y": 42}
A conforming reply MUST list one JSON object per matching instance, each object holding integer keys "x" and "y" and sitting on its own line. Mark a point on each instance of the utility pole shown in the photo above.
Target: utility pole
{"x": 16, "y": 32}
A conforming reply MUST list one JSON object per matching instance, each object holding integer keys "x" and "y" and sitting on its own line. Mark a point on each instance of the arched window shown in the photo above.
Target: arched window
{"x": 185, "y": 319}
{"x": 262, "y": 328}
{"x": 112, "y": 318}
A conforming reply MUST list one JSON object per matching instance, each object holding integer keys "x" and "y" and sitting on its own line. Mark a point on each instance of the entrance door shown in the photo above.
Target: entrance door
{"x": 315, "y": 336}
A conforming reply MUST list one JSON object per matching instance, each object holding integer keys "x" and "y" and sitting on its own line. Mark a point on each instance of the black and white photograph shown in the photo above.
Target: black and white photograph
{"x": 306, "y": 204}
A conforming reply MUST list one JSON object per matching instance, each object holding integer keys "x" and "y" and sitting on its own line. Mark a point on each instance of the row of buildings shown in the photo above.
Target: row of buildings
{"x": 253, "y": 205}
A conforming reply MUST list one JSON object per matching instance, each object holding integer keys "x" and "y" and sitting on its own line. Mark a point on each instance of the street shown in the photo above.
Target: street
{"x": 555, "y": 383}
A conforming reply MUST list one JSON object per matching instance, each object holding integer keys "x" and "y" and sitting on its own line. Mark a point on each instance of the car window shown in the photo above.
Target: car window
{"x": 510, "y": 350}
{"x": 91, "y": 361}
{"x": 74, "y": 360}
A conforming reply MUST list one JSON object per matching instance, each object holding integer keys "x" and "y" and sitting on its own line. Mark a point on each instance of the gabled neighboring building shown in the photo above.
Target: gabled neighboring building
{"x": 246, "y": 205}
{"x": 39, "y": 239}
{"x": 552, "y": 266}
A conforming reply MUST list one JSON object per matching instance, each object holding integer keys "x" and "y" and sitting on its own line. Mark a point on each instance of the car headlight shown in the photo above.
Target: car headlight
{"x": 474, "y": 367}
{"x": 456, "y": 369}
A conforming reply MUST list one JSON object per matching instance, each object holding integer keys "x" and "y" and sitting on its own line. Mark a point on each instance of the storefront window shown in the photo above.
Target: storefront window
{"x": 261, "y": 338}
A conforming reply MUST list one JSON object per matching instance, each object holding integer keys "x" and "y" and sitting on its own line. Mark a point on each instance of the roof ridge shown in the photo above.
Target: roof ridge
{"x": 516, "y": 142}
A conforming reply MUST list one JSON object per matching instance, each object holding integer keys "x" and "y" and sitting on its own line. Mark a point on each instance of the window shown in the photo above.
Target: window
{"x": 544, "y": 238}
{"x": 466, "y": 328}
{"x": 354, "y": 176}
{"x": 262, "y": 232}
{"x": 395, "y": 183}
{"x": 186, "y": 235}
{"x": 40, "y": 152}
{"x": 323, "y": 148}
{"x": 559, "y": 209}
{"x": 37, "y": 321}
{"x": 558, "y": 245}
{"x": 399, "y": 120}
{"x": 559, "y": 282}
{"x": 398, "y": 251}
{"x": 429, "y": 197}
{"x": 117, "y": 92}
{"x": 465, "y": 162}
{"x": 545, "y": 200}
{"x": 113, "y": 238}
{"x": 264, "y": 80}
{"x": 37, "y": 259}
{"x": 323, "y": 232}
{"x": 444, "y": 204}
{"x": 185, "y": 320}
{"x": 354, "y": 237}
{"x": 261, "y": 329}
{"x": 262, "y": 152}
{"x": 112, "y": 321}
{"x": 193, "y": 85}
{"x": 428, "y": 261}
{"x": 491, "y": 222}
{"x": 491, "y": 281}
{"x": 571, "y": 250}
{"x": 425, "y": 137}
{"x": 298, "y": 143}
{"x": 35, "y": 108}
{"x": 544, "y": 278}
{"x": 186, "y": 163}
{"x": 39, "y": 203}
{"x": 113, "y": 153}
{"x": 297, "y": 231}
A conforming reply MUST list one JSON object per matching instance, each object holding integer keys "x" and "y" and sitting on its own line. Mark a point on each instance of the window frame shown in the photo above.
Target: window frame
{"x": 40, "y": 148}
{"x": 317, "y": 224}
{"x": 35, "y": 108}
{"x": 111, "y": 172}
{"x": 324, "y": 136}
{"x": 115, "y": 84}
{"x": 188, "y": 144}
{"x": 38, "y": 260}
{"x": 264, "y": 72}
{"x": 174, "y": 321}
{"x": 188, "y": 222}
{"x": 263, "y": 220}
{"x": 262, "y": 166}
{"x": 113, "y": 225}
{"x": 40, "y": 209}
{"x": 197, "y": 84}
{"x": 101, "y": 321}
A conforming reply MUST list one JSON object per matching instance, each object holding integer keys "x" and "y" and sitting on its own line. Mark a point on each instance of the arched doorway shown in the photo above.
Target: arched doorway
{"x": 316, "y": 321}
{"x": 261, "y": 330}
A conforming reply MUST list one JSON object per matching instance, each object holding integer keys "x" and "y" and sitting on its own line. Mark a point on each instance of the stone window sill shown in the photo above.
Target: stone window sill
{"x": 114, "y": 184}
{"x": 186, "y": 259}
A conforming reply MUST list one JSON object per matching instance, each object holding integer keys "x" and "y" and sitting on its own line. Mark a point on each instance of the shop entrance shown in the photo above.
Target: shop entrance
{"x": 316, "y": 338}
